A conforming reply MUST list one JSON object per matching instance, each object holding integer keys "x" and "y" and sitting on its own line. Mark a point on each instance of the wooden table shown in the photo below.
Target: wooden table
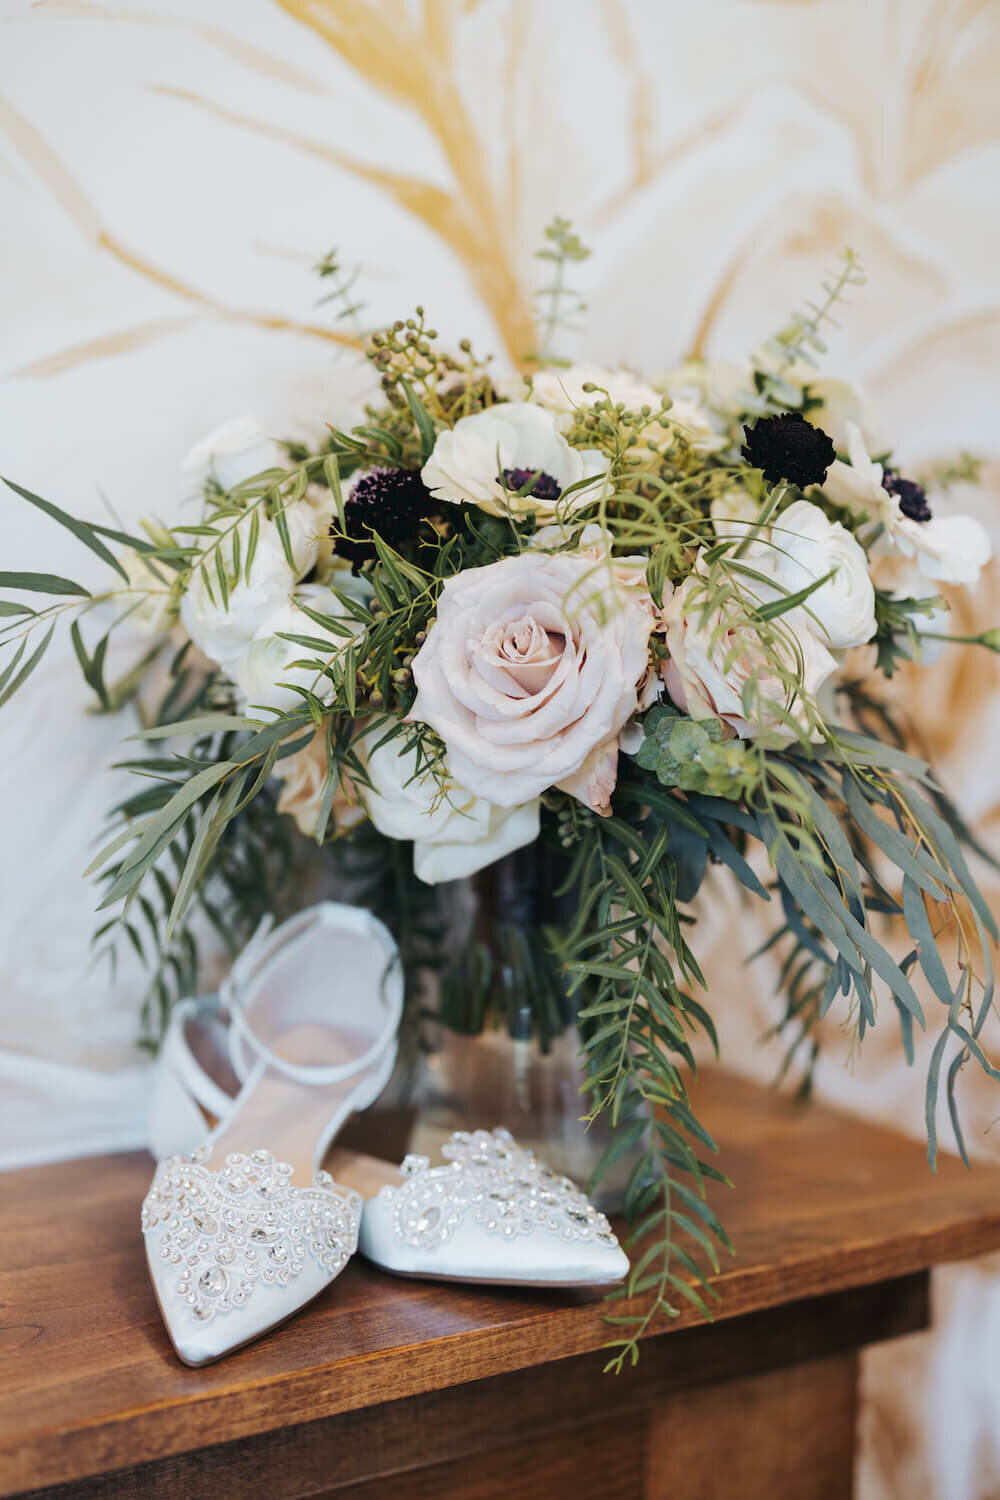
{"x": 386, "y": 1387}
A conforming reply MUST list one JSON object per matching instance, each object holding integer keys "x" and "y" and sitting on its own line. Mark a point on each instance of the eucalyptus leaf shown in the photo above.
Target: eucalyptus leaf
{"x": 43, "y": 583}
{"x": 80, "y": 529}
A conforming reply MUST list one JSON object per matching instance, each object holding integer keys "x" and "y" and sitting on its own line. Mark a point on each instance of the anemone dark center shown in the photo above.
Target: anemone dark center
{"x": 543, "y": 488}
{"x": 911, "y": 496}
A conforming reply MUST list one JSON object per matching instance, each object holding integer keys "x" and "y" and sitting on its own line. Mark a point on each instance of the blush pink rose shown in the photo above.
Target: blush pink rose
{"x": 529, "y": 674}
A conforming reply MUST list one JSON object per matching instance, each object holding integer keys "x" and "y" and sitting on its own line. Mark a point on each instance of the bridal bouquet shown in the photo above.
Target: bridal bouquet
{"x": 635, "y": 626}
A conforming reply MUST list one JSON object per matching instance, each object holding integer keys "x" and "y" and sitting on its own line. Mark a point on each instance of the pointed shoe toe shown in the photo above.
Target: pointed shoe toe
{"x": 494, "y": 1214}
{"x": 234, "y": 1252}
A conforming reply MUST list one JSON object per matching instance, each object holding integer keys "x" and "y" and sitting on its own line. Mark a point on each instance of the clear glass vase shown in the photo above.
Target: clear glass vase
{"x": 505, "y": 1049}
{"x": 472, "y": 1082}
{"x": 491, "y": 1034}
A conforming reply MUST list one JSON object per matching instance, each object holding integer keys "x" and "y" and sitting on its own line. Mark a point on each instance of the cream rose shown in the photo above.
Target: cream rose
{"x": 805, "y": 546}
{"x": 529, "y": 674}
{"x": 712, "y": 661}
{"x": 486, "y": 458}
{"x": 454, "y": 832}
{"x": 303, "y": 778}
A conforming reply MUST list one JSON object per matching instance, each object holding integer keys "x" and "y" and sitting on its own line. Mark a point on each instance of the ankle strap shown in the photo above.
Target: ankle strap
{"x": 249, "y": 1051}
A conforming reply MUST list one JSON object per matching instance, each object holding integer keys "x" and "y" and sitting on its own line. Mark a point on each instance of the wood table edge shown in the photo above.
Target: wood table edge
{"x": 59, "y": 1454}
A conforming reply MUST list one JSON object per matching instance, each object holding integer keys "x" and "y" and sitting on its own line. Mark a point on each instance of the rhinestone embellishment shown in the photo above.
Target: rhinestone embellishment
{"x": 231, "y": 1230}
{"x": 508, "y": 1189}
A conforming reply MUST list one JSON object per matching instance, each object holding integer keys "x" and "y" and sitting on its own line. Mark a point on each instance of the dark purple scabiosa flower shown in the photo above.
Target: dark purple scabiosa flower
{"x": 392, "y": 502}
{"x": 911, "y": 496}
{"x": 544, "y": 487}
{"x": 790, "y": 448}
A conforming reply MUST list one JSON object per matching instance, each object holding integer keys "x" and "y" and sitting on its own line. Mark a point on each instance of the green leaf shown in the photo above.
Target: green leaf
{"x": 331, "y": 469}
{"x": 281, "y": 522}
{"x": 421, "y": 416}
{"x": 11, "y": 687}
{"x": 206, "y": 724}
{"x": 777, "y": 607}
{"x": 271, "y": 734}
{"x": 944, "y": 836}
{"x": 92, "y": 667}
{"x": 931, "y": 1095}
{"x": 380, "y": 436}
{"x": 162, "y": 829}
{"x": 725, "y": 851}
{"x": 396, "y": 564}
{"x": 126, "y": 836}
{"x": 919, "y": 929}
{"x": 892, "y": 843}
{"x": 137, "y": 543}
{"x": 43, "y": 583}
{"x": 252, "y": 541}
{"x": 211, "y": 826}
{"x": 81, "y": 530}
{"x": 956, "y": 1123}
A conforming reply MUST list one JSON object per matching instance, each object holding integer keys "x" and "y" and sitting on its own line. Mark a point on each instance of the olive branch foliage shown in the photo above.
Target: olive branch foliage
{"x": 836, "y": 826}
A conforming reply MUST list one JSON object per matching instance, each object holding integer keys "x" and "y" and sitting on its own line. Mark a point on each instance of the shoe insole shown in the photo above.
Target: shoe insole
{"x": 288, "y": 1118}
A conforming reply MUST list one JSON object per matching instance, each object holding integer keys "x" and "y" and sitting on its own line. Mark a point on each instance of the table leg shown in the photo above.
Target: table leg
{"x": 788, "y": 1433}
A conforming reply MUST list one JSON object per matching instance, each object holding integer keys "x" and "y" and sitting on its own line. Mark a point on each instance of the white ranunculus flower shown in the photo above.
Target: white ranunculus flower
{"x": 950, "y": 548}
{"x": 453, "y": 835}
{"x": 224, "y": 630}
{"x": 711, "y": 661}
{"x": 264, "y": 674}
{"x": 695, "y": 422}
{"x": 529, "y": 674}
{"x": 804, "y": 546}
{"x": 733, "y": 513}
{"x": 516, "y": 439}
{"x": 563, "y": 390}
{"x": 234, "y": 452}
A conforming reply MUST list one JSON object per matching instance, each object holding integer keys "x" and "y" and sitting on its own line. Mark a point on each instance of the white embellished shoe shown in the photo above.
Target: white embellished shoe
{"x": 246, "y": 1229}
{"x": 493, "y": 1213}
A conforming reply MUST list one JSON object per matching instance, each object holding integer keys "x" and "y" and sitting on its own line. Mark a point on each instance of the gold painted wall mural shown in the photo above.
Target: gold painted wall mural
{"x": 170, "y": 172}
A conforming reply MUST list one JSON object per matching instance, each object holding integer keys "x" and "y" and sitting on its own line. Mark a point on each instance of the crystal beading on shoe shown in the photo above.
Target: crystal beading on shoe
{"x": 509, "y": 1190}
{"x": 230, "y": 1230}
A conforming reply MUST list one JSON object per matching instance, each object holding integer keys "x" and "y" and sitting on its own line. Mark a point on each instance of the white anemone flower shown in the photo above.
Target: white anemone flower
{"x": 491, "y": 455}
{"x": 949, "y": 548}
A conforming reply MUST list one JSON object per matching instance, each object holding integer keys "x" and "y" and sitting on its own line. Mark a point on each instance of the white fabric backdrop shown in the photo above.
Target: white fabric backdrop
{"x": 168, "y": 174}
